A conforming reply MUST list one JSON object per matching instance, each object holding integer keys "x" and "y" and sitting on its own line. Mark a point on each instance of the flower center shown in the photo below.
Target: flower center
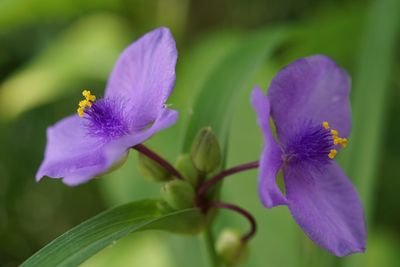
{"x": 105, "y": 117}
{"x": 313, "y": 143}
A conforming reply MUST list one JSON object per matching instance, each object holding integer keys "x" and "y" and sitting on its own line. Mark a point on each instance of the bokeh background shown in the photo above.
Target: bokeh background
{"x": 52, "y": 49}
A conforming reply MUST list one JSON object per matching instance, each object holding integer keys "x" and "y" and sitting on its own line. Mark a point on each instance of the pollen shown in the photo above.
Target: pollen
{"x": 87, "y": 102}
{"x": 88, "y": 95}
{"x": 337, "y": 140}
{"x": 334, "y": 132}
{"x": 332, "y": 153}
{"x": 80, "y": 111}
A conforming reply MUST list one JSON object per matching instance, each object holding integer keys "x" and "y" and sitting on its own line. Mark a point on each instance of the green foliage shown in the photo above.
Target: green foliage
{"x": 86, "y": 239}
{"x": 73, "y": 45}
{"x": 225, "y": 85}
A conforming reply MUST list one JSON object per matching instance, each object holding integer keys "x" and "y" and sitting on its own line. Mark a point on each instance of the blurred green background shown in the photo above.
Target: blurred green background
{"x": 52, "y": 49}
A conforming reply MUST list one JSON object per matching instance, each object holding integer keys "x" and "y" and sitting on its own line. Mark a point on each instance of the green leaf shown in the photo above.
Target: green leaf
{"x": 225, "y": 85}
{"x": 86, "y": 239}
{"x": 222, "y": 90}
{"x": 374, "y": 67}
{"x": 371, "y": 87}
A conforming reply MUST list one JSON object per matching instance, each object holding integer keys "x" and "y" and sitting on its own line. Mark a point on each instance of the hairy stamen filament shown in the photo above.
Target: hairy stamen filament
{"x": 337, "y": 140}
{"x": 87, "y": 102}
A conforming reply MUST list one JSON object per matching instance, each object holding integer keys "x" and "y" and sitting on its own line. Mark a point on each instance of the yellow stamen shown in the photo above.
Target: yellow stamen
{"x": 334, "y": 132}
{"x": 87, "y": 102}
{"x": 81, "y": 112}
{"x": 337, "y": 140}
{"x": 88, "y": 95}
{"x": 344, "y": 142}
{"x": 332, "y": 153}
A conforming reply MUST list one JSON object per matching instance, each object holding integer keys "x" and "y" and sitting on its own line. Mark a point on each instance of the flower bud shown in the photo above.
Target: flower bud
{"x": 230, "y": 248}
{"x": 151, "y": 169}
{"x": 185, "y": 166}
{"x": 178, "y": 194}
{"x": 205, "y": 151}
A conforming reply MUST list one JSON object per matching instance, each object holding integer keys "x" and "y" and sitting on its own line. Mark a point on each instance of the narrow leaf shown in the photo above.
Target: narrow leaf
{"x": 86, "y": 239}
{"x": 227, "y": 82}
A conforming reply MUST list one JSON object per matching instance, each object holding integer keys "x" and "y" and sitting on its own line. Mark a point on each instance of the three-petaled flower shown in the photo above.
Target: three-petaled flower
{"x": 89, "y": 143}
{"x": 309, "y": 105}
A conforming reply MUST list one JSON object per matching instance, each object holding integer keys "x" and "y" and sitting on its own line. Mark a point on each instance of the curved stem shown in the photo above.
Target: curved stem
{"x": 241, "y": 211}
{"x": 157, "y": 158}
{"x": 209, "y": 183}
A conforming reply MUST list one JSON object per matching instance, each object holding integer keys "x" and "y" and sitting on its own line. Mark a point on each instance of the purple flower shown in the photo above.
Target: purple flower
{"x": 82, "y": 146}
{"x": 309, "y": 105}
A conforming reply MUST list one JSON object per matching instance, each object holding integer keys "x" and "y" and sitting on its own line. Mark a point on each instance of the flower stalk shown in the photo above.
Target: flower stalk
{"x": 157, "y": 158}
{"x": 241, "y": 211}
{"x": 220, "y": 176}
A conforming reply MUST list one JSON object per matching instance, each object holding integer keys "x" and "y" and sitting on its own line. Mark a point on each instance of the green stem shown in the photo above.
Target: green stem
{"x": 209, "y": 242}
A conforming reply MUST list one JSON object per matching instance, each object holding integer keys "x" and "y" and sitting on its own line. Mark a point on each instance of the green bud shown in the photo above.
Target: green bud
{"x": 151, "y": 169}
{"x": 230, "y": 248}
{"x": 178, "y": 194}
{"x": 185, "y": 166}
{"x": 205, "y": 151}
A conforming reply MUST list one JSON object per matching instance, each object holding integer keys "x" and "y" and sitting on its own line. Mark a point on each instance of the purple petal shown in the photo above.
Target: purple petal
{"x": 144, "y": 75}
{"x": 77, "y": 157}
{"x": 270, "y": 161}
{"x": 311, "y": 89}
{"x": 326, "y": 206}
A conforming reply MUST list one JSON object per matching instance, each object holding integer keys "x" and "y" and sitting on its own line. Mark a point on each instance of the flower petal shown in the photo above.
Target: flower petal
{"x": 144, "y": 75}
{"x": 77, "y": 157}
{"x": 165, "y": 118}
{"x": 270, "y": 161}
{"x": 70, "y": 151}
{"x": 311, "y": 89}
{"x": 326, "y": 206}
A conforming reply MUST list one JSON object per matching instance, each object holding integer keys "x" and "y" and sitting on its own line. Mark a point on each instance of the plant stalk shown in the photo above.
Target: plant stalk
{"x": 157, "y": 158}
{"x": 210, "y": 246}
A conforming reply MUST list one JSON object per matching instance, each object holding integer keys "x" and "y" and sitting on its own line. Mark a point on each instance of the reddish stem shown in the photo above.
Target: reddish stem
{"x": 157, "y": 158}
{"x": 211, "y": 182}
{"x": 241, "y": 211}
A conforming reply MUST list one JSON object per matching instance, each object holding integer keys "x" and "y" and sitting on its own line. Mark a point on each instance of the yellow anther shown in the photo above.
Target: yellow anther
{"x": 81, "y": 112}
{"x": 87, "y": 102}
{"x": 344, "y": 142}
{"x": 334, "y": 133}
{"x": 337, "y": 140}
{"x": 88, "y": 95}
{"x": 332, "y": 153}
{"x": 91, "y": 98}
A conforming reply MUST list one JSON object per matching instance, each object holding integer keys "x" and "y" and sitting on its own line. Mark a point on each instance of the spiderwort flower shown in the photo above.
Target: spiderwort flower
{"x": 89, "y": 143}
{"x": 309, "y": 105}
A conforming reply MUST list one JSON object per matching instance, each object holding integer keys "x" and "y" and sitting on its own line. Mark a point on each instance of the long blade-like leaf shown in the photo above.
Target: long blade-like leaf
{"x": 225, "y": 85}
{"x": 86, "y": 239}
